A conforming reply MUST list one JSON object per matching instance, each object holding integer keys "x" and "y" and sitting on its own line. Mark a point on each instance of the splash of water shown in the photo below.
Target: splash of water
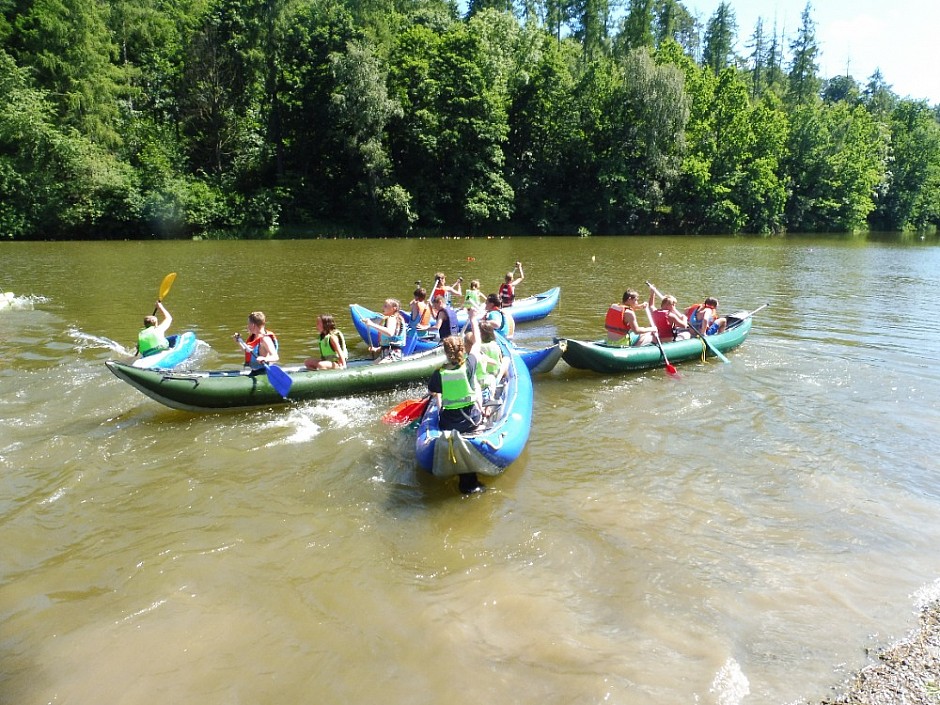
{"x": 730, "y": 684}
{"x": 84, "y": 341}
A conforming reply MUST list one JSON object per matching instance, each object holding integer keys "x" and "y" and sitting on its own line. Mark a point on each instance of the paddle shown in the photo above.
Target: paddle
{"x": 406, "y": 412}
{"x": 715, "y": 351}
{"x": 165, "y": 288}
{"x": 670, "y": 368}
{"x": 279, "y": 379}
{"x": 747, "y": 314}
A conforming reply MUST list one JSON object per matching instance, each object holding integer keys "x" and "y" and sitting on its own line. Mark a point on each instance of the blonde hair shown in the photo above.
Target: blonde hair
{"x": 454, "y": 350}
{"x": 150, "y": 321}
{"x": 258, "y": 318}
{"x": 669, "y": 299}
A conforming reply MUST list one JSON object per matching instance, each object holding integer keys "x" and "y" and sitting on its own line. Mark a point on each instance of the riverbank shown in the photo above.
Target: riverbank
{"x": 907, "y": 672}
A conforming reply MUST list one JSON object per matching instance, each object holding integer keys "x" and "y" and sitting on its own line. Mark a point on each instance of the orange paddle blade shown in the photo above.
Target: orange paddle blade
{"x": 406, "y": 412}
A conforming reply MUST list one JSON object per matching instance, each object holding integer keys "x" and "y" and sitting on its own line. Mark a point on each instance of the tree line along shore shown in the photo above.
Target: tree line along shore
{"x": 228, "y": 118}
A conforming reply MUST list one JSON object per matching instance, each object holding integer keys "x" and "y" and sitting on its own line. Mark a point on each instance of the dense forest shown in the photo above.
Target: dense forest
{"x": 177, "y": 118}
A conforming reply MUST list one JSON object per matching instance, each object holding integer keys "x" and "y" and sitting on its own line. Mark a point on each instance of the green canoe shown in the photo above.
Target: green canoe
{"x": 230, "y": 389}
{"x": 601, "y": 357}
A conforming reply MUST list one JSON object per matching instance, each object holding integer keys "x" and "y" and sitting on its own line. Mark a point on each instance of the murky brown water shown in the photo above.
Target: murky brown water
{"x": 752, "y": 527}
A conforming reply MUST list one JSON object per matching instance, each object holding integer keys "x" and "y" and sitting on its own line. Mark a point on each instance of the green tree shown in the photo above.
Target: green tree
{"x": 911, "y": 198}
{"x": 56, "y": 182}
{"x": 640, "y": 143}
{"x": 836, "y": 158}
{"x": 803, "y": 79}
{"x": 720, "y": 36}
{"x": 547, "y": 152}
{"x": 362, "y": 109}
{"x": 68, "y": 47}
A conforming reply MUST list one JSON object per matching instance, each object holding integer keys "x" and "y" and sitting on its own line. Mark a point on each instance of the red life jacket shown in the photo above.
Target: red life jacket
{"x": 507, "y": 294}
{"x": 663, "y": 324}
{"x": 254, "y": 346}
{"x": 614, "y": 320}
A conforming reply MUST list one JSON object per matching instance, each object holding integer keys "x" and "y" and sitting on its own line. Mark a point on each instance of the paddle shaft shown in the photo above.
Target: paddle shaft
{"x": 670, "y": 368}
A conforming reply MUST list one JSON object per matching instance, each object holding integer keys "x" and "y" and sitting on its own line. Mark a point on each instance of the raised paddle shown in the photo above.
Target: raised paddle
{"x": 670, "y": 368}
{"x": 165, "y": 288}
{"x": 715, "y": 351}
{"x": 407, "y": 411}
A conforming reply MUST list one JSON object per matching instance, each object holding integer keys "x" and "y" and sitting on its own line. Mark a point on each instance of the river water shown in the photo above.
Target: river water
{"x": 740, "y": 535}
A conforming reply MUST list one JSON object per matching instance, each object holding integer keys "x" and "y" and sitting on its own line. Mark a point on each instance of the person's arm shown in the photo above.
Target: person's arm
{"x": 455, "y": 289}
{"x": 266, "y": 350}
{"x": 651, "y": 302}
{"x": 338, "y": 349}
{"x": 521, "y": 274}
{"x": 475, "y": 327}
{"x": 164, "y": 325}
{"x": 634, "y": 325}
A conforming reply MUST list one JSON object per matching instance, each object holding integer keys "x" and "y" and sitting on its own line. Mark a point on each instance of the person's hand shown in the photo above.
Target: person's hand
{"x": 518, "y": 265}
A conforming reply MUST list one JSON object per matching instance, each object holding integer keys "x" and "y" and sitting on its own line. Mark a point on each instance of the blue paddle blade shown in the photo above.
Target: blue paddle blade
{"x": 279, "y": 379}
{"x": 411, "y": 338}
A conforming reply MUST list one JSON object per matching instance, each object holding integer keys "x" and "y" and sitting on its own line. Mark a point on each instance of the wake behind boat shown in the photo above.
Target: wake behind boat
{"x": 601, "y": 356}
{"x": 211, "y": 390}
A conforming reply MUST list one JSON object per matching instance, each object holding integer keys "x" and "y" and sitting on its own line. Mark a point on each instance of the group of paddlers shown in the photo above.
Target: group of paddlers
{"x": 437, "y": 318}
{"x": 666, "y": 321}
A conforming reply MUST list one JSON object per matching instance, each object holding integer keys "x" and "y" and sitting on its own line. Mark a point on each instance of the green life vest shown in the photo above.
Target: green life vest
{"x": 326, "y": 349}
{"x": 488, "y": 362}
{"x": 456, "y": 389}
{"x": 150, "y": 340}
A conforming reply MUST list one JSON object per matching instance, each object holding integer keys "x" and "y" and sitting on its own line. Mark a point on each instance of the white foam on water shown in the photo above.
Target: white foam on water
{"x": 926, "y": 595}
{"x": 85, "y": 341}
{"x": 730, "y": 684}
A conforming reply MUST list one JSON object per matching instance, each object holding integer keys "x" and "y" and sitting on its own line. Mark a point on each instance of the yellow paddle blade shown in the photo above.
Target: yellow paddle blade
{"x": 166, "y": 284}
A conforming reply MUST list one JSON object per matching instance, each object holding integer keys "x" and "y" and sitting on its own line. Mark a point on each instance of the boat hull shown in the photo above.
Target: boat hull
{"x": 488, "y": 452}
{"x": 601, "y": 357}
{"x": 530, "y": 308}
{"x": 182, "y": 347}
{"x": 212, "y": 390}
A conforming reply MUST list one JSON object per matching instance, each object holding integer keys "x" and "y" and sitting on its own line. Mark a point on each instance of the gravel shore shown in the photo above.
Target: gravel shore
{"x": 907, "y": 673}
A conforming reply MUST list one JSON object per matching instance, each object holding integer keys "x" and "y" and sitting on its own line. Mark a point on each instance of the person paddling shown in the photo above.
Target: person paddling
{"x": 507, "y": 290}
{"x": 621, "y": 322}
{"x": 262, "y": 345}
{"x": 152, "y": 337}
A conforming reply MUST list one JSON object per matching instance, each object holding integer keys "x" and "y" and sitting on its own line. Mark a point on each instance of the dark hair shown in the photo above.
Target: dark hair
{"x": 329, "y": 323}
{"x": 420, "y": 294}
{"x": 493, "y": 300}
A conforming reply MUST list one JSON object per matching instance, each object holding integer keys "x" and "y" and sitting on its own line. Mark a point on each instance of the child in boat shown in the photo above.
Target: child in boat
{"x": 493, "y": 366}
{"x": 448, "y": 292}
{"x": 421, "y": 309}
{"x": 474, "y": 298}
{"x": 507, "y": 290}
{"x": 391, "y": 330}
{"x": 261, "y": 346}
{"x": 445, "y": 318}
{"x": 704, "y": 317}
{"x": 458, "y": 395}
{"x": 622, "y": 325}
{"x": 152, "y": 337}
{"x": 671, "y": 323}
{"x": 333, "y": 353}
{"x": 498, "y": 319}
